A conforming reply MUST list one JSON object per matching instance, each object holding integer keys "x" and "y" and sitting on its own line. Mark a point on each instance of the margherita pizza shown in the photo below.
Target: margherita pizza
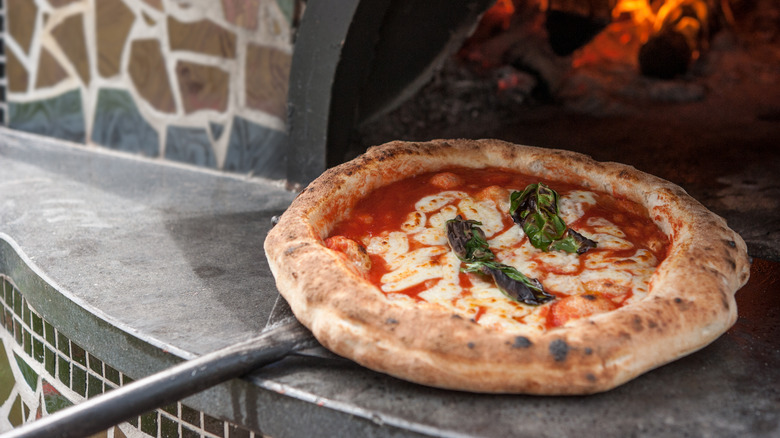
{"x": 491, "y": 267}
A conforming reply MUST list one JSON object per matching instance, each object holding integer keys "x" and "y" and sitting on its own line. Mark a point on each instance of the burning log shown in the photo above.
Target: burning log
{"x": 681, "y": 33}
{"x": 571, "y": 24}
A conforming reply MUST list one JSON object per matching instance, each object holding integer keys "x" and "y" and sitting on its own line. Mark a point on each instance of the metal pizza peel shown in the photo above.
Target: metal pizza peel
{"x": 282, "y": 336}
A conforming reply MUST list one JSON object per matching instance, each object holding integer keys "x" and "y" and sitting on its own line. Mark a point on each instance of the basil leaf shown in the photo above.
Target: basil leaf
{"x": 573, "y": 241}
{"x": 512, "y": 282}
{"x": 535, "y": 209}
{"x": 468, "y": 242}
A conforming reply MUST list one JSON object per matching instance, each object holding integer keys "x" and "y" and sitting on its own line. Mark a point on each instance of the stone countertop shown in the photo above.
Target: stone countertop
{"x": 171, "y": 253}
{"x": 172, "y": 256}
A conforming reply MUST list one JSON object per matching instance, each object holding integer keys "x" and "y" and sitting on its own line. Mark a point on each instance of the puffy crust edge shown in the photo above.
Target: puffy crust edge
{"x": 690, "y": 301}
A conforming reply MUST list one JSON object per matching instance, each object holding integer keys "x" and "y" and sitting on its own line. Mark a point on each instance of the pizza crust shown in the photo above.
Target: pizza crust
{"x": 690, "y": 302}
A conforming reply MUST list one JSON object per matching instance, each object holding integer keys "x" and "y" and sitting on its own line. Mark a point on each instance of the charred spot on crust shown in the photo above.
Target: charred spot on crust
{"x": 456, "y": 316}
{"x": 731, "y": 243}
{"x": 637, "y": 323}
{"x": 471, "y": 345}
{"x": 588, "y": 351}
{"x": 290, "y": 250}
{"x": 559, "y": 349}
{"x": 724, "y": 299}
{"x": 391, "y": 321}
{"x": 624, "y": 174}
{"x": 682, "y": 304}
{"x": 521, "y": 342}
{"x": 590, "y": 377}
{"x": 589, "y": 297}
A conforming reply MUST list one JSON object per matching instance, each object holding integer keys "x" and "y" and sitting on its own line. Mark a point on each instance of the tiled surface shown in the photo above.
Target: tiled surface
{"x": 120, "y": 125}
{"x": 157, "y": 64}
{"x": 42, "y": 372}
{"x": 60, "y": 116}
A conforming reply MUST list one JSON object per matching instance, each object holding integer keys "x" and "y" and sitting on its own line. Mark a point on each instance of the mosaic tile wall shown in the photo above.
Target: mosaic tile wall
{"x": 42, "y": 371}
{"x": 3, "y": 82}
{"x": 202, "y": 82}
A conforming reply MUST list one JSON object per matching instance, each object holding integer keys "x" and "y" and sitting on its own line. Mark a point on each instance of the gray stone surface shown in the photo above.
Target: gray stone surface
{"x": 173, "y": 253}
{"x": 155, "y": 262}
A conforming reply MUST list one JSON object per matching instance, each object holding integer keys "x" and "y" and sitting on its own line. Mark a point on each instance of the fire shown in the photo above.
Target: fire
{"x": 499, "y": 15}
{"x": 629, "y": 25}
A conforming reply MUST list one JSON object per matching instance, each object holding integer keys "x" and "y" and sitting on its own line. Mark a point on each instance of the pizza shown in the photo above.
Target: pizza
{"x": 485, "y": 266}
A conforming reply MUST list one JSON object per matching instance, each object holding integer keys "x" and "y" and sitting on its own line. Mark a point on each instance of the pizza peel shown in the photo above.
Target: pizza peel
{"x": 282, "y": 336}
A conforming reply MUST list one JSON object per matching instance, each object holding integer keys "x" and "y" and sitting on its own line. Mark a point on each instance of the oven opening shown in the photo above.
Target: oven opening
{"x": 626, "y": 80}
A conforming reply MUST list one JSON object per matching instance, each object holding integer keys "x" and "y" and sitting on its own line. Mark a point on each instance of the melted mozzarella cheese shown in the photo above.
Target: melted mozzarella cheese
{"x": 390, "y": 247}
{"x": 484, "y": 212}
{"x": 435, "y": 202}
{"x": 607, "y": 234}
{"x": 573, "y": 205}
{"x": 414, "y": 223}
{"x": 436, "y": 231}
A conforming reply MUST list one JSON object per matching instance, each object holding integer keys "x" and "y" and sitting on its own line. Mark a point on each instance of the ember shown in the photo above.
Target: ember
{"x": 661, "y": 37}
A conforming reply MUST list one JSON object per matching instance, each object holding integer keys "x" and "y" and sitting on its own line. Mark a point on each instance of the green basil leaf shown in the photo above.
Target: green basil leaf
{"x": 468, "y": 242}
{"x": 535, "y": 209}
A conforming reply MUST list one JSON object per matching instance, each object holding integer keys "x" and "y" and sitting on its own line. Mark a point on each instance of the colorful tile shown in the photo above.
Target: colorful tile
{"x": 59, "y": 117}
{"x": 50, "y": 362}
{"x": 257, "y": 149}
{"x": 30, "y": 376}
{"x": 50, "y": 72}
{"x": 7, "y": 380}
{"x": 23, "y": 405}
{"x": 119, "y": 125}
{"x": 289, "y": 8}
{"x": 16, "y": 73}
{"x": 168, "y": 428}
{"x": 21, "y": 16}
{"x": 189, "y": 145}
{"x": 16, "y": 416}
{"x": 267, "y": 73}
{"x": 202, "y": 36}
{"x": 157, "y": 4}
{"x": 242, "y": 13}
{"x": 148, "y": 19}
{"x": 216, "y": 130}
{"x": 63, "y": 368}
{"x": 79, "y": 381}
{"x": 149, "y": 422}
{"x": 53, "y": 399}
{"x": 61, "y": 3}
{"x": 70, "y": 36}
{"x": 202, "y": 86}
{"x": 150, "y": 75}
{"x": 113, "y": 22}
